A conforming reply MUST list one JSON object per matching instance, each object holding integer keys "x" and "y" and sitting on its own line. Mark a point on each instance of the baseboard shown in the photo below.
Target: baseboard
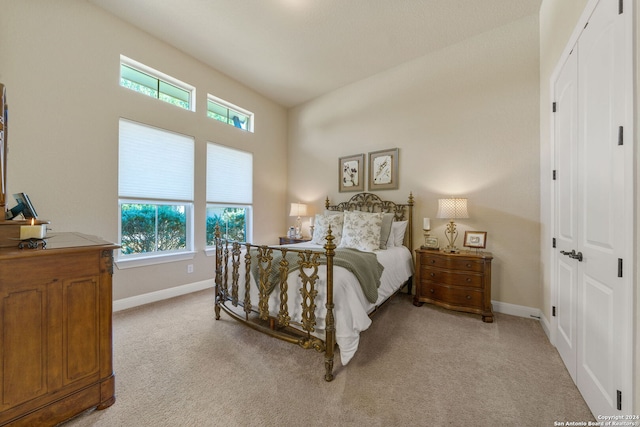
{"x": 546, "y": 326}
{"x": 125, "y": 303}
{"x": 516, "y": 310}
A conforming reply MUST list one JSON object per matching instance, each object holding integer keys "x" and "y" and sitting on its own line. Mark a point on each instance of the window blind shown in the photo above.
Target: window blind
{"x": 229, "y": 175}
{"x": 155, "y": 163}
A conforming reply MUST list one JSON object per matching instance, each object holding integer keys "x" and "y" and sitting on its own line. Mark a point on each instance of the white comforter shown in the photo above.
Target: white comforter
{"x": 351, "y": 306}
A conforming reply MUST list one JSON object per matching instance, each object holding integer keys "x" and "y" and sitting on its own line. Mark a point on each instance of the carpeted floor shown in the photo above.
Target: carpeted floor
{"x": 176, "y": 365}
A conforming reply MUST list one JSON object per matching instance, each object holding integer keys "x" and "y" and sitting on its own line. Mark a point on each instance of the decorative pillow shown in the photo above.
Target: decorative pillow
{"x": 396, "y": 237}
{"x": 321, "y": 226}
{"x": 385, "y": 229}
{"x": 361, "y": 231}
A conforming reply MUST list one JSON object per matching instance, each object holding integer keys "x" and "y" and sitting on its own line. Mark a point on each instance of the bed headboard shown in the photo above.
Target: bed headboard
{"x": 369, "y": 202}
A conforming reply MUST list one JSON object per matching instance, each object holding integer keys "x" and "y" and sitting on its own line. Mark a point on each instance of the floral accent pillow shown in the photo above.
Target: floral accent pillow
{"x": 321, "y": 226}
{"x": 361, "y": 231}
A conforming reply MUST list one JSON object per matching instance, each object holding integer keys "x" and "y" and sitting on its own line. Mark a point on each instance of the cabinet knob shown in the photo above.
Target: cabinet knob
{"x": 468, "y": 296}
{"x": 468, "y": 279}
{"x": 433, "y": 261}
{"x": 468, "y": 265}
{"x": 432, "y": 274}
{"x": 431, "y": 290}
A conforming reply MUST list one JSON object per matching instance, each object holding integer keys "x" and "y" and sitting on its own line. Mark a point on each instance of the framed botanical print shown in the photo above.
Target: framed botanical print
{"x": 475, "y": 239}
{"x": 351, "y": 173}
{"x": 383, "y": 170}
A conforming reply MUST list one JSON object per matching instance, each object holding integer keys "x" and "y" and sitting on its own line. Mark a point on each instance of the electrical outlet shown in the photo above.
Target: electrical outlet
{"x": 190, "y": 268}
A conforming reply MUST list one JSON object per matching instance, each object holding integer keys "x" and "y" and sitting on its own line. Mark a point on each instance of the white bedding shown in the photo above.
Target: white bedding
{"x": 351, "y": 306}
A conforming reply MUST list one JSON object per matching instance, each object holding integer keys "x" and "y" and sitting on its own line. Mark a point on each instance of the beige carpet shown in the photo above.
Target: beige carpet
{"x": 176, "y": 365}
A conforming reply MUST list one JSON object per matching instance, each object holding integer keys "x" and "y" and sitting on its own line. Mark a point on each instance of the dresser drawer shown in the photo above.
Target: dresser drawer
{"x": 452, "y": 296}
{"x": 446, "y": 277}
{"x": 452, "y": 263}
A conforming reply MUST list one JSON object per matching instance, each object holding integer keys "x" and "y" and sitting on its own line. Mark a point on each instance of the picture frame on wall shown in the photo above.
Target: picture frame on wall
{"x": 475, "y": 239}
{"x": 383, "y": 170}
{"x": 351, "y": 173}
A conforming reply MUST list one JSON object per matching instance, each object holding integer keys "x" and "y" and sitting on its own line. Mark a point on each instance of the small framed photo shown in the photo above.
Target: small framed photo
{"x": 351, "y": 173}
{"x": 383, "y": 170}
{"x": 475, "y": 239}
{"x": 431, "y": 243}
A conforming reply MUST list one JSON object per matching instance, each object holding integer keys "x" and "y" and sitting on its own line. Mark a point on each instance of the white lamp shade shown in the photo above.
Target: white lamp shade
{"x": 452, "y": 208}
{"x": 298, "y": 209}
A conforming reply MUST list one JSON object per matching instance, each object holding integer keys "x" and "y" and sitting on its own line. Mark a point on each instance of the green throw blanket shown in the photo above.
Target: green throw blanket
{"x": 364, "y": 265}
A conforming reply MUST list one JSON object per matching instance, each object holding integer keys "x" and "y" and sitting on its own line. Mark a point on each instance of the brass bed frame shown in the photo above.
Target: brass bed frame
{"x": 227, "y": 275}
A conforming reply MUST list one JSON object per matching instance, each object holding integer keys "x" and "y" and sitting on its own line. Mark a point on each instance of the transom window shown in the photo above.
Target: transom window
{"x": 226, "y": 112}
{"x": 140, "y": 78}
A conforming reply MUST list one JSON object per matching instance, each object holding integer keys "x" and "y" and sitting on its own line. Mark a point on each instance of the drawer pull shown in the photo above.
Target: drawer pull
{"x": 432, "y": 274}
{"x": 468, "y": 279}
{"x": 468, "y": 265}
{"x": 433, "y": 261}
{"x": 468, "y": 296}
{"x": 431, "y": 290}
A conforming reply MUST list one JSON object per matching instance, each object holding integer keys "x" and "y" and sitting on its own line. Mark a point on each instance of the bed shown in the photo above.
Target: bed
{"x": 322, "y": 293}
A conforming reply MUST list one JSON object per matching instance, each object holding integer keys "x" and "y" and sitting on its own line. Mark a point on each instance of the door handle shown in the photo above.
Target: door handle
{"x": 573, "y": 254}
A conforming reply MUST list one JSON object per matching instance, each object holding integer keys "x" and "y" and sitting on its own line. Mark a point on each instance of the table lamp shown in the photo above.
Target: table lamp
{"x": 452, "y": 208}
{"x": 298, "y": 210}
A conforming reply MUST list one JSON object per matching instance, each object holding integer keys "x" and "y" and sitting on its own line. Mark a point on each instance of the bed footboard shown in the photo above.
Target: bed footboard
{"x": 238, "y": 265}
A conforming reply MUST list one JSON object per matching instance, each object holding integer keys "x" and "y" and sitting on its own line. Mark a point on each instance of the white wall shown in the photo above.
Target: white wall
{"x": 60, "y": 63}
{"x": 466, "y": 122}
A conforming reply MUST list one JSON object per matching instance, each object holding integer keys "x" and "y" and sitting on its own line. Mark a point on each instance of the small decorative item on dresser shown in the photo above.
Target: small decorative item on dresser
{"x": 459, "y": 282}
{"x": 429, "y": 242}
{"x": 475, "y": 239}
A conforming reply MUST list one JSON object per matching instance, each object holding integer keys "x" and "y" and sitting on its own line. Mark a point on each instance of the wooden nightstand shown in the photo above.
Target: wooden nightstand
{"x": 292, "y": 240}
{"x": 459, "y": 281}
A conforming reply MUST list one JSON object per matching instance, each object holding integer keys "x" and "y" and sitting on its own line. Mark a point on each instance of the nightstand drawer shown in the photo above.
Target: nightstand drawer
{"x": 452, "y": 263}
{"x": 446, "y": 277}
{"x": 453, "y": 296}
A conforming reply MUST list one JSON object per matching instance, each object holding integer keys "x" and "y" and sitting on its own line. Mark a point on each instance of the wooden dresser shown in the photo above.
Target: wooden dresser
{"x": 459, "y": 281}
{"x": 55, "y": 320}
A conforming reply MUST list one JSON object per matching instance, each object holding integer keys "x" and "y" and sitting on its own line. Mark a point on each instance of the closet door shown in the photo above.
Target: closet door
{"x": 566, "y": 201}
{"x": 602, "y": 199}
{"x": 593, "y": 211}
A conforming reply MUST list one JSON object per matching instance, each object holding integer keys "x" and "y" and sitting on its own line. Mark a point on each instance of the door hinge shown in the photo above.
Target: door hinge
{"x": 553, "y": 311}
{"x": 554, "y": 175}
{"x": 620, "y": 7}
{"x": 619, "y": 399}
{"x": 620, "y": 135}
{"x": 619, "y": 267}
{"x": 553, "y": 107}
{"x": 553, "y": 242}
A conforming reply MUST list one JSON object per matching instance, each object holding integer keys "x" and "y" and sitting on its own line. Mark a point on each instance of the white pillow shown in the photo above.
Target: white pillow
{"x": 396, "y": 237}
{"x": 361, "y": 231}
{"x": 321, "y": 226}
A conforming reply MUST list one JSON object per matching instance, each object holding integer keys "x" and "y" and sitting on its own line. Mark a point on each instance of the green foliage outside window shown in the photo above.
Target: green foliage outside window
{"x": 153, "y": 228}
{"x": 232, "y": 223}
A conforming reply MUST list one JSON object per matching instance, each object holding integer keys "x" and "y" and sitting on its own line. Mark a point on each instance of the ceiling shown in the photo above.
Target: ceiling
{"x": 292, "y": 51}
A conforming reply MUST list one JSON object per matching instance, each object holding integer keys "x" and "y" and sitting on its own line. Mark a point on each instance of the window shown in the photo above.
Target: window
{"x": 223, "y": 111}
{"x": 146, "y": 80}
{"x": 229, "y": 192}
{"x": 155, "y": 189}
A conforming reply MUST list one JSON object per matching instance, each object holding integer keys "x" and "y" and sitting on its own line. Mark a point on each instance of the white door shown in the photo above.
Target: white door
{"x": 602, "y": 199}
{"x": 593, "y": 211}
{"x": 566, "y": 201}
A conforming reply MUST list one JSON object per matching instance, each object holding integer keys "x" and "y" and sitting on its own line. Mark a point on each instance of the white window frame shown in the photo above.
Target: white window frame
{"x": 233, "y": 107}
{"x": 130, "y": 197}
{"x": 162, "y": 77}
